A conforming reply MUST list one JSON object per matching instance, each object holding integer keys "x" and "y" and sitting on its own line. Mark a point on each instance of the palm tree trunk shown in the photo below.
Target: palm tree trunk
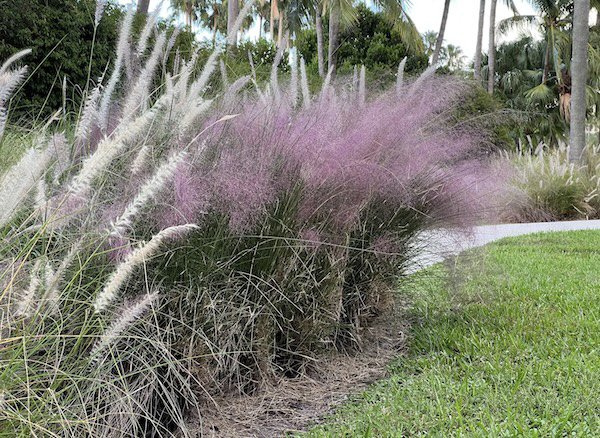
{"x": 319, "y": 29}
{"x": 581, "y": 34}
{"x": 546, "y": 62}
{"x": 477, "y": 66}
{"x": 273, "y": 14}
{"x": 334, "y": 30}
{"x": 440, "y": 38}
{"x": 280, "y": 29}
{"x": 232, "y": 13}
{"x": 214, "y": 33}
{"x": 492, "y": 48}
{"x": 142, "y": 6}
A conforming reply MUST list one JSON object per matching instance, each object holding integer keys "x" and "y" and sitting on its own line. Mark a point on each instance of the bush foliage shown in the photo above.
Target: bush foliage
{"x": 175, "y": 246}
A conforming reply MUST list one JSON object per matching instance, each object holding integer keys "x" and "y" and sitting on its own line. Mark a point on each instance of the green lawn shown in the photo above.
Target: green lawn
{"x": 508, "y": 345}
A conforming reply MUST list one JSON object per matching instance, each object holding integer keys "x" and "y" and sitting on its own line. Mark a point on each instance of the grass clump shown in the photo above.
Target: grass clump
{"x": 509, "y": 350}
{"x": 549, "y": 187}
{"x": 176, "y": 245}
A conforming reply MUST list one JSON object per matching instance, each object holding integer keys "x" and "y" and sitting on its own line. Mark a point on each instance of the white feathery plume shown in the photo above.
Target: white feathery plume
{"x": 61, "y": 151}
{"x": 12, "y": 59}
{"x": 122, "y": 52}
{"x": 108, "y": 149}
{"x": 147, "y": 31}
{"x": 127, "y": 317}
{"x": 304, "y": 84}
{"x": 326, "y": 82}
{"x": 293, "y": 78}
{"x": 192, "y": 113}
{"x": 176, "y": 62}
{"x": 274, "y": 76}
{"x": 362, "y": 94}
{"x": 198, "y": 86}
{"x": 51, "y": 294}
{"x": 134, "y": 259}
{"x": 172, "y": 40}
{"x": 89, "y": 114}
{"x": 20, "y": 180}
{"x": 100, "y": 5}
{"x": 183, "y": 78}
{"x": 429, "y": 72}
{"x": 8, "y": 82}
{"x": 224, "y": 77}
{"x": 234, "y": 89}
{"x": 400, "y": 77}
{"x": 28, "y": 296}
{"x": 139, "y": 161}
{"x": 52, "y": 279}
{"x": 136, "y": 99}
{"x": 355, "y": 79}
{"x": 41, "y": 202}
{"x": 232, "y": 35}
{"x": 170, "y": 45}
{"x": 148, "y": 191}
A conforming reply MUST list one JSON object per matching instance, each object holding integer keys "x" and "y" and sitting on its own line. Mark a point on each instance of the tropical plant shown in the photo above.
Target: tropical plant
{"x": 456, "y": 58}
{"x": 479, "y": 43}
{"x": 181, "y": 243}
{"x": 440, "y": 36}
{"x": 579, "y": 73}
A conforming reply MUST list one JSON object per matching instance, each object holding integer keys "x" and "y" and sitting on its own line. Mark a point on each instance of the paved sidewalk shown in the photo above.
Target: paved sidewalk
{"x": 435, "y": 246}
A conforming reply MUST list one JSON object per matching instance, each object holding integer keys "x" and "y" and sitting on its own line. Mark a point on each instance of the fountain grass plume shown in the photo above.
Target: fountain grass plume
{"x": 121, "y": 53}
{"x": 9, "y": 80}
{"x": 20, "y": 180}
{"x": 146, "y": 32}
{"x": 127, "y": 317}
{"x": 137, "y": 98}
{"x": 148, "y": 191}
{"x": 400, "y": 76}
{"x": 137, "y": 257}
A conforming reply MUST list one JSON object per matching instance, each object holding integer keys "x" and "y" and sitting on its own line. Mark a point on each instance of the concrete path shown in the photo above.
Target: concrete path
{"x": 435, "y": 246}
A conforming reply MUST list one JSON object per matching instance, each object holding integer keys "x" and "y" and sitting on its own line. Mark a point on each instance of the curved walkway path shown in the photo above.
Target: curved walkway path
{"x": 435, "y": 246}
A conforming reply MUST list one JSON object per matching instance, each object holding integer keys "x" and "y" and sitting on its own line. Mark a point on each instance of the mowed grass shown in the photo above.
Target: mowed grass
{"x": 507, "y": 345}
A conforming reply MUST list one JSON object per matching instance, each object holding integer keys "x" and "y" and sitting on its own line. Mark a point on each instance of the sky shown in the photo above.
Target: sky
{"x": 461, "y": 29}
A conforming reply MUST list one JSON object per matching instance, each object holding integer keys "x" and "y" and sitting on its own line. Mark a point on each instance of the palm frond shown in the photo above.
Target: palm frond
{"x": 540, "y": 94}
{"x": 518, "y": 22}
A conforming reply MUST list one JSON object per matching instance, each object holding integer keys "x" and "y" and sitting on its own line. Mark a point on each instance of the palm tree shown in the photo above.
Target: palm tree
{"x": 456, "y": 59}
{"x": 553, "y": 16}
{"x": 319, "y": 31}
{"x": 142, "y": 6}
{"x": 440, "y": 37}
{"x": 233, "y": 9}
{"x": 492, "y": 48}
{"x": 580, "y": 38}
{"x": 492, "y": 42}
{"x": 188, "y": 7}
{"x": 213, "y": 15}
{"x": 477, "y": 62}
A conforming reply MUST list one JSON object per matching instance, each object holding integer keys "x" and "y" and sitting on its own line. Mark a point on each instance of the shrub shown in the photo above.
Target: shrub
{"x": 175, "y": 246}
{"x": 550, "y": 188}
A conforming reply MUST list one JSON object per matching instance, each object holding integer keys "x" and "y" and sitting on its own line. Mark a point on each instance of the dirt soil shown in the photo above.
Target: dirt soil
{"x": 293, "y": 405}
